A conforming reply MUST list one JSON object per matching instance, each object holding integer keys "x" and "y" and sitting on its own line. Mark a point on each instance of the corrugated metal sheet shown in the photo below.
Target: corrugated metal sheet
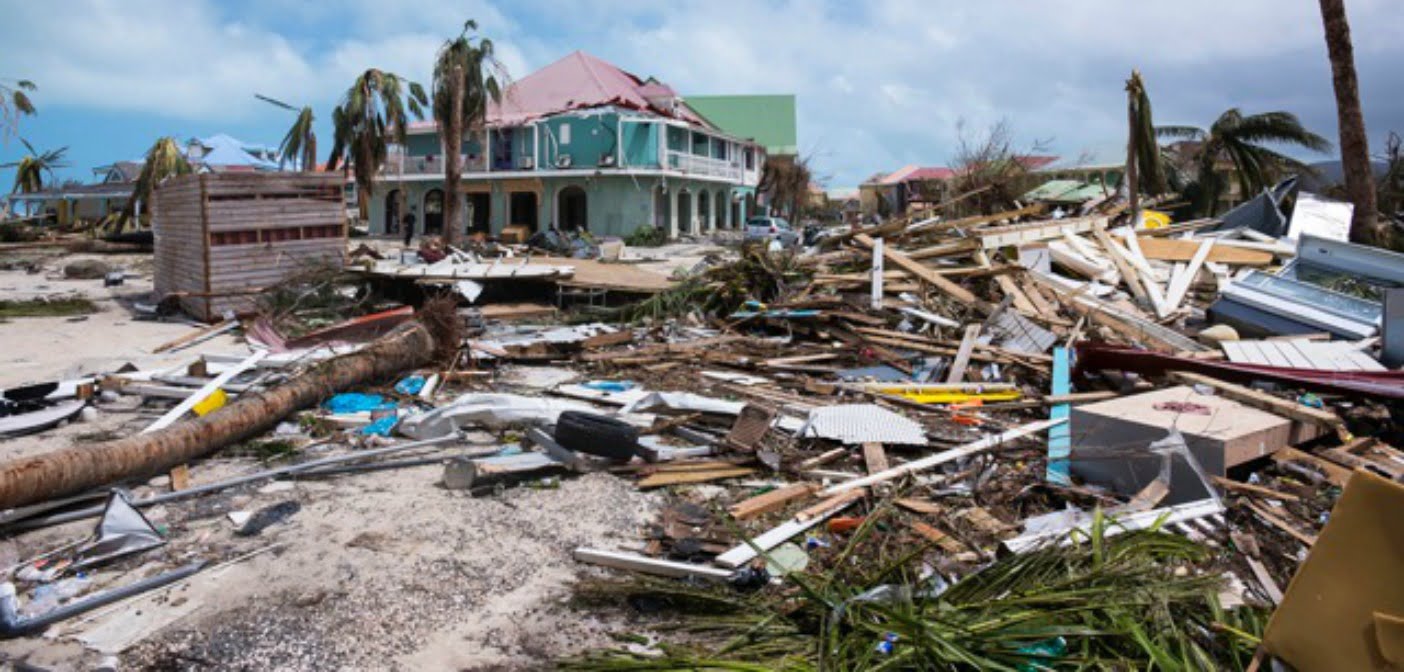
{"x": 863, "y": 423}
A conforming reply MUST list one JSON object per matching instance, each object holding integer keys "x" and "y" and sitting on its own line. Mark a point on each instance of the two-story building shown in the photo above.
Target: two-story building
{"x": 579, "y": 144}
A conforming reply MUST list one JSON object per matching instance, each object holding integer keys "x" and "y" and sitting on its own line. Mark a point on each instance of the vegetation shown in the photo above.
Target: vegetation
{"x": 301, "y": 142}
{"x": 1127, "y": 602}
{"x": 646, "y": 236}
{"x": 64, "y": 307}
{"x": 1355, "y": 151}
{"x": 721, "y": 289}
{"x": 163, "y": 161}
{"x": 1242, "y": 141}
{"x": 30, "y": 170}
{"x": 465, "y": 79}
{"x": 785, "y": 180}
{"x": 15, "y": 103}
{"x": 990, "y": 175}
{"x": 374, "y": 112}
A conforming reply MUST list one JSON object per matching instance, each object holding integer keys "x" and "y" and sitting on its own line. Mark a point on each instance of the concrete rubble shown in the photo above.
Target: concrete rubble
{"x": 889, "y": 446}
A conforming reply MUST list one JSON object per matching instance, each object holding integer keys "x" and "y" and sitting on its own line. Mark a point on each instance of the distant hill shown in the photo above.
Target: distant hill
{"x": 1330, "y": 173}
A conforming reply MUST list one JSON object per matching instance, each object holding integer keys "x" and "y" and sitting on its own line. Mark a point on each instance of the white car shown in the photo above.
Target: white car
{"x": 771, "y": 228}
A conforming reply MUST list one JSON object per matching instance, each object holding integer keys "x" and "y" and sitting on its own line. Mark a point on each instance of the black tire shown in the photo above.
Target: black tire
{"x": 596, "y": 435}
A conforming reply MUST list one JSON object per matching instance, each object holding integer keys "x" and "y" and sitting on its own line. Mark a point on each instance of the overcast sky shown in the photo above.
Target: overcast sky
{"x": 880, "y": 84}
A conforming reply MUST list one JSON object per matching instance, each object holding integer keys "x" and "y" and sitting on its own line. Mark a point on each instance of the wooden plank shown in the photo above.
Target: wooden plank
{"x": 945, "y": 541}
{"x": 678, "y": 478}
{"x": 1180, "y": 283}
{"x": 983, "y": 445}
{"x": 874, "y": 457}
{"x": 920, "y": 506}
{"x": 1123, "y": 266}
{"x": 1308, "y": 539}
{"x": 923, "y": 273}
{"x": 962, "y": 359}
{"x": 1335, "y": 473}
{"x": 1167, "y": 249}
{"x": 773, "y": 500}
{"x": 773, "y": 537}
{"x": 1249, "y": 488}
{"x": 180, "y": 477}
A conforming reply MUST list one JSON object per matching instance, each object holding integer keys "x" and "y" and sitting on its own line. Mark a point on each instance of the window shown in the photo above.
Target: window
{"x": 750, "y": 159}
{"x": 565, "y": 133}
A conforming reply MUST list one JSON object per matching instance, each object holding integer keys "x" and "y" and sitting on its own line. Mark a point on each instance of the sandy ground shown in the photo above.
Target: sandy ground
{"x": 38, "y": 349}
{"x": 377, "y": 570}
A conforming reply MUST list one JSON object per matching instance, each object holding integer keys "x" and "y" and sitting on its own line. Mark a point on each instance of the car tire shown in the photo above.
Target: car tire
{"x": 596, "y": 435}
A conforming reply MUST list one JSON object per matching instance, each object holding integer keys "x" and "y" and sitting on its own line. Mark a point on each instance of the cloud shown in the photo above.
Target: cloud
{"x": 879, "y": 84}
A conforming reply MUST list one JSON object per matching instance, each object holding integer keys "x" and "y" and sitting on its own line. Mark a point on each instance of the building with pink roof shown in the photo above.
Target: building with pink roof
{"x": 578, "y": 144}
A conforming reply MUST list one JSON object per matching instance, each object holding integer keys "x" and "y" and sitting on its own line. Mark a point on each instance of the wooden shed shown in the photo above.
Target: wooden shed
{"x": 223, "y": 237}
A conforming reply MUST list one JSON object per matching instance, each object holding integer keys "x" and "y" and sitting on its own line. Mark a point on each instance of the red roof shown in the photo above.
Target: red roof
{"x": 931, "y": 173}
{"x": 578, "y": 81}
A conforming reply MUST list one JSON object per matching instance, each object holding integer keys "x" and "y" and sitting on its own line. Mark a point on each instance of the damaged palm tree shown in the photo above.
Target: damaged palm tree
{"x": 78, "y": 468}
{"x": 1110, "y": 602}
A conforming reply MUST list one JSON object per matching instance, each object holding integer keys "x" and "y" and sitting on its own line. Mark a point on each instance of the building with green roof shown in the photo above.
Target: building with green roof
{"x": 768, "y": 120}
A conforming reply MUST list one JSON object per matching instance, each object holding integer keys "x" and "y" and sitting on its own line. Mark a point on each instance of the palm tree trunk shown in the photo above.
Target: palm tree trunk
{"x": 453, "y": 142}
{"x": 1355, "y": 152}
{"x": 82, "y": 467}
{"x": 1132, "y": 189}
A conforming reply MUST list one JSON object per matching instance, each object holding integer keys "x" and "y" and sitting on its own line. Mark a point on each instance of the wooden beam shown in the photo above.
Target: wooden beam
{"x": 646, "y": 565}
{"x": 986, "y": 444}
{"x": 874, "y": 457}
{"x": 773, "y": 500}
{"x": 962, "y": 358}
{"x": 923, "y": 273}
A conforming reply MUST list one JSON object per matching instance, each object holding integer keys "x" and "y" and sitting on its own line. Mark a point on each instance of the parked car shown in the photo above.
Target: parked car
{"x": 771, "y": 228}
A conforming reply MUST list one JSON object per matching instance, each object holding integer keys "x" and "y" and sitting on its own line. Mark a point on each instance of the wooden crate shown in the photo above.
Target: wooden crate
{"x": 223, "y": 237}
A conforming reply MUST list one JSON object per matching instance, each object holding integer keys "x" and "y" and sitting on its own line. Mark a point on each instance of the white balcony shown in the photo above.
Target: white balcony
{"x": 707, "y": 166}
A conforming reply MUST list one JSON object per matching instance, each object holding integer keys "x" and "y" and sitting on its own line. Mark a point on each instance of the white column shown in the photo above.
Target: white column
{"x": 673, "y": 212}
{"x": 726, "y": 217}
{"x": 711, "y": 212}
{"x": 695, "y": 217}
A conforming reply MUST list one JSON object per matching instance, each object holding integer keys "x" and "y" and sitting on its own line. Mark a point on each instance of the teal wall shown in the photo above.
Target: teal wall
{"x": 425, "y": 144}
{"x": 640, "y": 145}
{"x": 590, "y": 138}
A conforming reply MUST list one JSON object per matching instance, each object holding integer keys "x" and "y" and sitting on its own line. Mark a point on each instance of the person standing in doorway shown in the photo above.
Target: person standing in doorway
{"x": 408, "y": 224}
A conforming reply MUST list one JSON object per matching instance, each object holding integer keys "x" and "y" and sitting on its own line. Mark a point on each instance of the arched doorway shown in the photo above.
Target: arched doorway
{"x": 719, "y": 207}
{"x": 392, "y": 211}
{"x": 736, "y": 222}
{"x": 704, "y": 212}
{"x": 685, "y": 214}
{"x": 434, "y": 212}
{"x": 571, "y": 209}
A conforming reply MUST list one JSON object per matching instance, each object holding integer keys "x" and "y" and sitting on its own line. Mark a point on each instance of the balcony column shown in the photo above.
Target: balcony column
{"x": 673, "y": 212}
{"x": 694, "y": 217}
{"x": 726, "y": 216}
{"x": 711, "y": 211}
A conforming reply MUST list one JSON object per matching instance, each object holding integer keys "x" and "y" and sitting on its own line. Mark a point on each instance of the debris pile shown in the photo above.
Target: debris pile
{"x": 1007, "y": 441}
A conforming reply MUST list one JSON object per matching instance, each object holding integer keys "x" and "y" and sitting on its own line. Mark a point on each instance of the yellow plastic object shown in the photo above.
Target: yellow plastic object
{"x": 210, "y": 404}
{"x": 949, "y": 395}
{"x": 1154, "y": 219}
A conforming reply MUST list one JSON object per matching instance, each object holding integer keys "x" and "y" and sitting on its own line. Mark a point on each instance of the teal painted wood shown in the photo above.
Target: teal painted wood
{"x": 1060, "y": 436}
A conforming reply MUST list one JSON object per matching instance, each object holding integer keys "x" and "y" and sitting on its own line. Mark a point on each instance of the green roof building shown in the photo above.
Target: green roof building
{"x": 767, "y": 120}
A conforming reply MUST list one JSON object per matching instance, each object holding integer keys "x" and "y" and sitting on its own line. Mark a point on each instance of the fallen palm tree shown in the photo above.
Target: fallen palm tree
{"x": 1134, "y": 601}
{"x": 78, "y": 468}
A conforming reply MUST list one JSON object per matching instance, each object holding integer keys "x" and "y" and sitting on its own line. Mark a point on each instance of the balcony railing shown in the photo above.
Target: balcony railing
{"x": 397, "y": 164}
{"x": 703, "y": 165}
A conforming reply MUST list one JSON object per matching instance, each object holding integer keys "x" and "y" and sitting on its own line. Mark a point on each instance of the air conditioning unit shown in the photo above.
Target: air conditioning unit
{"x": 526, "y": 162}
{"x": 563, "y": 161}
{"x": 607, "y": 161}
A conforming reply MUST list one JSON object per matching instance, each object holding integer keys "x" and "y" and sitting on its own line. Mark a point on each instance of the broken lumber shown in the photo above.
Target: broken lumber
{"x": 927, "y": 275}
{"x": 773, "y": 500}
{"x": 70, "y": 470}
{"x": 646, "y": 565}
{"x": 987, "y": 443}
